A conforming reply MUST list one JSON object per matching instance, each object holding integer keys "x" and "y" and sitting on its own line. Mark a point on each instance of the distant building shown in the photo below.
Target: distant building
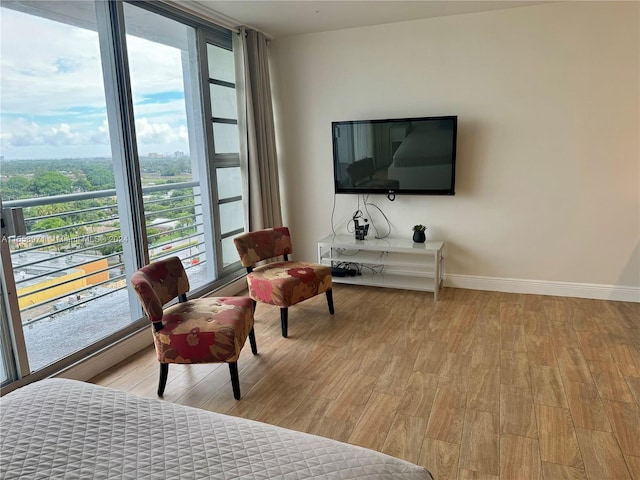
{"x": 53, "y": 276}
{"x": 164, "y": 224}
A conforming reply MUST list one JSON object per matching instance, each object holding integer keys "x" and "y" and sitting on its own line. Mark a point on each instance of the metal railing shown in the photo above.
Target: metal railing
{"x": 72, "y": 252}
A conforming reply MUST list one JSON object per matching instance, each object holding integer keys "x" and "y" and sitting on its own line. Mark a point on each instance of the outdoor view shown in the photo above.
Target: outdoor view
{"x": 57, "y": 166}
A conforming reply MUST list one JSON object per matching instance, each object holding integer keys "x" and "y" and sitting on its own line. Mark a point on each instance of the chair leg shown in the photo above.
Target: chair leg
{"x": 235, "y": 379}
{"x": 164, "y": 373}
{"x": 254, "y": 305}
{"x": 330, "y": 301}
{"x": 252, "y": 341}
{"x": 284, "y": 321}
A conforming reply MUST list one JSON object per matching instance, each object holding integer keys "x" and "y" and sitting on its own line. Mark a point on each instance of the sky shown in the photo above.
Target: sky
{"x": 52, "y": 100}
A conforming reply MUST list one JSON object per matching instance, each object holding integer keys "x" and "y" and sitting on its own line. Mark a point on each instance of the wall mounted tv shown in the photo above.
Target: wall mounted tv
{"x": 395, "y": 156}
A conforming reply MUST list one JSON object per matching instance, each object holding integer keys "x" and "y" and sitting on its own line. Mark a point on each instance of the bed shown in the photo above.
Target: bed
{"x": 66, "y": 429}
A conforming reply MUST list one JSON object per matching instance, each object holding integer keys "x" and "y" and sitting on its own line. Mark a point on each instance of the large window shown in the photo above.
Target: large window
{"x": 163, "y": 66}
{"x": 116, "y": 151}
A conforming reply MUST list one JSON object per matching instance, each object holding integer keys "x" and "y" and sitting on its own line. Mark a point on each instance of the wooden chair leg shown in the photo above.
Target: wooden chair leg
{"x": 164, "y": 373}
{"x": 235, "y": 379}
{"x": 284, "y": 321}
{"x": 330, "y": 301}
{"x": 252, "y": 341}
{"x": 254, "y": 305}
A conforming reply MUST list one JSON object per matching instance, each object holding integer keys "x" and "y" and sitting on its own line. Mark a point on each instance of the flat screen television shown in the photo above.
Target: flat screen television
{"x": 395, "y": 156}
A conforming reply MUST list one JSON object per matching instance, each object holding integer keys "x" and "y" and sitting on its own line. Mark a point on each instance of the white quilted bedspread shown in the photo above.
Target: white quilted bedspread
{"x": 65, "y": 429}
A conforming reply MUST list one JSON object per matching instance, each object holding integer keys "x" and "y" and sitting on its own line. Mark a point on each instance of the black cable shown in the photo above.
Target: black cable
{"x": 333, "y": 211}
{"x": 382, "y": 213}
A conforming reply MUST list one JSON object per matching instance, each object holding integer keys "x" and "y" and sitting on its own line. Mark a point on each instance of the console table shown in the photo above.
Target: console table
{"x": 386, "y": 262}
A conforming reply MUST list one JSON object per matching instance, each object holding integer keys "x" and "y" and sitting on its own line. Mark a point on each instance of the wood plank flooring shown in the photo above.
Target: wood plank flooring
{"x": 479, "y": 385}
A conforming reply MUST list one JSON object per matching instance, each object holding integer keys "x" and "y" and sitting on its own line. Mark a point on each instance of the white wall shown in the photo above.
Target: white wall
{"x": 548, "y": 103}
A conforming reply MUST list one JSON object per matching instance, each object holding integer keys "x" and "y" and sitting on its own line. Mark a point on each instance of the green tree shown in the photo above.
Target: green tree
{"x": 18, "y": 182}
{"x": 100, "y": 177}
{"x": 15, "y": 187}
{"x": 48, "y": 224}
{"x": 82, "y": 184}
{"x": 48, "y": 184}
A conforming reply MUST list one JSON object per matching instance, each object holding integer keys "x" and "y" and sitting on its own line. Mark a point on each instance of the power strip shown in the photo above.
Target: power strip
{"x": 343, "y": 272}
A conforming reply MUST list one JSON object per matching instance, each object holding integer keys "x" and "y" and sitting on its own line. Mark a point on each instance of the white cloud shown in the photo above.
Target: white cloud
{"x": 52, "y": 92}
{"x": 24, "y": 133}
{"x": 159, "y": 133}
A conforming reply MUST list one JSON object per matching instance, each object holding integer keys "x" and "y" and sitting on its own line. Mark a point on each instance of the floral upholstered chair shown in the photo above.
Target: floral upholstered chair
{"x": 202, "y": 330}
{"x": 280, "y": 283}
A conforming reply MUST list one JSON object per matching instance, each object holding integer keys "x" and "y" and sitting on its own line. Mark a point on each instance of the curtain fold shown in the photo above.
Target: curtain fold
{"x": 258, "y": 144}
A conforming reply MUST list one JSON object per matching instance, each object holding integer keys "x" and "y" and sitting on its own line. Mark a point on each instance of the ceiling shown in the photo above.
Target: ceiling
{"x": 282, "y": 18}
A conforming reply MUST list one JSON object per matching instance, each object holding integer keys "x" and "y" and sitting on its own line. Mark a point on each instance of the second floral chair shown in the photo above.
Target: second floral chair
{"x": 282, "y": 283}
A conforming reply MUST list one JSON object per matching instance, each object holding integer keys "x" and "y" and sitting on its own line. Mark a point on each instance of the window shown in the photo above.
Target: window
{"x": 99, "y": 201}
{"x": 226, "y": 148}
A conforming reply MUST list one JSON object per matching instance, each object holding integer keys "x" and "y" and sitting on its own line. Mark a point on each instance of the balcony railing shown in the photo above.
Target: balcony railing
{"x": 71, "y": 256}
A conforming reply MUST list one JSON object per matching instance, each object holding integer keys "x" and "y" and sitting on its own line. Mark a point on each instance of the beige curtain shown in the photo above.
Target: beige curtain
{"x": 257, "y": 143}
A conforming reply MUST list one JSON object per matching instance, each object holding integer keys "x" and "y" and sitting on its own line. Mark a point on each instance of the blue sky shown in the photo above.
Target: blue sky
{"x": 52, "y": 100}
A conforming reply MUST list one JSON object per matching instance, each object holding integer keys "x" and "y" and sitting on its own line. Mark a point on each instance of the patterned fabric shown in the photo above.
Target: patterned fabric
{"x": 203, "y": 330}
{"x": 158, "y": 283}
{"x": 59, "y": 429}
{"x": 263, "y": 244}
{"x": 287, "y": 283}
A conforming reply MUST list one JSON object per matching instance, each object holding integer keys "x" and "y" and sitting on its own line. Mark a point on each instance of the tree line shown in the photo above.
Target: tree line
{"x": 46, "y": 178}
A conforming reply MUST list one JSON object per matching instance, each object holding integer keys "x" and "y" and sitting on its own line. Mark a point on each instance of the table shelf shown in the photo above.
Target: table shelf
{"x": 389, "y": 262}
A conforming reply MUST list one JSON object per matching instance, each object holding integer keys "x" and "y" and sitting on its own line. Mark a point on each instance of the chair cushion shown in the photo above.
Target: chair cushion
{"x": 287, "y": 283}
{"x": 204, "y": 330}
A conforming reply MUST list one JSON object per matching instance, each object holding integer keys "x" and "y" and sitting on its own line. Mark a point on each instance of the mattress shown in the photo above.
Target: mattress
{"x": 66, "y": 429}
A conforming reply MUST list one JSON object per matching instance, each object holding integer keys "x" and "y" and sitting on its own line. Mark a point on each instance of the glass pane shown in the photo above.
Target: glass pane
{"x": 162, "y": 59}
{"x": 229, "y": 252}
{"x": 221, "y": 64}
{"x": 4, "y": 372}
{"x": 223, "y": 102}
{"x": 229, "y": 182}
{"x": 55, "y": 144}
{"x": 5, "y": 339}
{"x": 3, "y": 369}
{"x": 231, "y": 216}
{"x": 225, "y": 138}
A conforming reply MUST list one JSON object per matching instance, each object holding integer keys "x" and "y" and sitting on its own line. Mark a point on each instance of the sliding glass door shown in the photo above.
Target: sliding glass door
{"x": 167, "y": 98}
{"x": 112, "y": 154}
{"x": 57, "y": 169}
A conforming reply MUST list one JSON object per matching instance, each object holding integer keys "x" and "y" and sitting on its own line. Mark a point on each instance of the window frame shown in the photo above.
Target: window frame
{"x": 113, "y": 53}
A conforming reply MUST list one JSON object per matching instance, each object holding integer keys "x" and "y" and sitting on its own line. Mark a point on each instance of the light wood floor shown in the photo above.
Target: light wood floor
{"x": 480, "y": 385}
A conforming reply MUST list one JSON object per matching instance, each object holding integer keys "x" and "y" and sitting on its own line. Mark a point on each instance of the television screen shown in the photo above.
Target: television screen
{"x": 395, "y": 156}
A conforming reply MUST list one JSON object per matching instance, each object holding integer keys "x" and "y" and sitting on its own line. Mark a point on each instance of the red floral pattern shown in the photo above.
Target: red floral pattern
{"x": 286, "y": 283}
{"x": 305, "y": 274}
{"x": 280, "y": 283}
{"x": 203, "y": 330}
{"x": 260, "y": 245}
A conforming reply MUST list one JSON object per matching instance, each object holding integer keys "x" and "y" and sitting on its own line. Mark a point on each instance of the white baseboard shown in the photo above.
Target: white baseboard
{"x": 537, "y": 287}
{"x": 119, "y": 351}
